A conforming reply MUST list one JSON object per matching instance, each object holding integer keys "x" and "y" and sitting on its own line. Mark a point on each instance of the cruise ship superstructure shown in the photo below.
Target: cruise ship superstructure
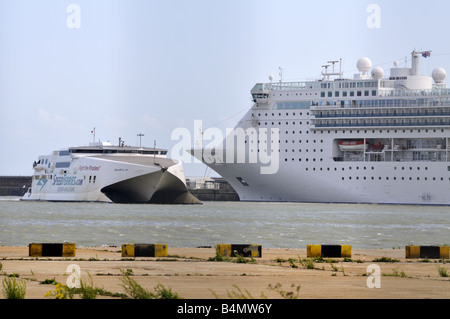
{"x": 102, "y": 172}
{"x": 366, "y": 139}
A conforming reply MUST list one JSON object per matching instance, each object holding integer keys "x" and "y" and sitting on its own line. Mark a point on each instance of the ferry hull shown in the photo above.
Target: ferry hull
{"x": 166, "y": 189}
{"x": 127, "y": 178}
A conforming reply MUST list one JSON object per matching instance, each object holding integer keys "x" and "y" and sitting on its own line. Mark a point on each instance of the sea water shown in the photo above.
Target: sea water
{"x": 272, "y": 225}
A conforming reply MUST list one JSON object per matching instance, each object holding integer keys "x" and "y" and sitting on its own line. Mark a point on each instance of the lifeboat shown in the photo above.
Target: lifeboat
{"x": 377, "y": 146}
{"x": 352, "y": 145}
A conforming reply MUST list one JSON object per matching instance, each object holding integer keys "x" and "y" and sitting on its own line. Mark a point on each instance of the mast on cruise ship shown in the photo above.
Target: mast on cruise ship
{"x": 415, "y": 60}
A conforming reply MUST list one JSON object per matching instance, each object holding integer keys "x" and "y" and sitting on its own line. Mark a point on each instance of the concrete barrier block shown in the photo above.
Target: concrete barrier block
{"x": 144, "y": 250}
{"x": 244, "y": 250}
{"x": 52, "y": 249}
{"x": 432, "y": 252}
{"x": 329, "y": 251}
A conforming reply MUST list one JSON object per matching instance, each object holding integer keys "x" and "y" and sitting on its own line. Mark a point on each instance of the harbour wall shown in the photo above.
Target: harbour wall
{"x": 14, "y": 185}
{"x": 211, "y": 189}
{"x": 216, "y": 189}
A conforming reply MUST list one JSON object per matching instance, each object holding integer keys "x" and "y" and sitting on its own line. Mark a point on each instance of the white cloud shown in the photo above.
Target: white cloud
{"x": 150, "y": 122}
{"x": 53, "y": 119}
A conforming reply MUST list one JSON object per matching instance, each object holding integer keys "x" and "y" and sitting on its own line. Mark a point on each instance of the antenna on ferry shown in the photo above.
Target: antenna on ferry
{"x": 281, "y": 74}
{"x": 140, "y": 136}
{"x": 154, "y": 151}
{"x": 93, "y": 132}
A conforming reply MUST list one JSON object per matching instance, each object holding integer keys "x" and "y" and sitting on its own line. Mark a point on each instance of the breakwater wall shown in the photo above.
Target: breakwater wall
{"x": 217, "y": 195}
{"x": 14, "y": 185}
{"x": 212, "y": 190}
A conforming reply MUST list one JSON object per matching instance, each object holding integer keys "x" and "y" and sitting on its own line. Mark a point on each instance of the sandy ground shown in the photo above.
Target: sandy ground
{"x": 188, "y": 273}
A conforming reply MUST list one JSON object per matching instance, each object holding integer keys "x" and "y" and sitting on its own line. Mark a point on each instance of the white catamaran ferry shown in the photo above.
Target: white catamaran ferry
{"x": 102, "y": 172}
{"x": 366, "y": 139}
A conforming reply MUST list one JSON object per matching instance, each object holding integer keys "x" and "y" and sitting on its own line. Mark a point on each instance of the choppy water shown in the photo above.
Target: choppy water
{"x": 272, "y": 225}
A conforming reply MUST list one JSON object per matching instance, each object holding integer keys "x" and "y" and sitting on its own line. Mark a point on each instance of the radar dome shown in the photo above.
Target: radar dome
{"x": 377, "y": 73}
{"x": 364, "y": 65}
{"x": 439, "y": 75}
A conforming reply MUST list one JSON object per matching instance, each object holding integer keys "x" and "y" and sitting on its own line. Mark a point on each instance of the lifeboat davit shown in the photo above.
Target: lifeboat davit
{"x": 352, "y": 145}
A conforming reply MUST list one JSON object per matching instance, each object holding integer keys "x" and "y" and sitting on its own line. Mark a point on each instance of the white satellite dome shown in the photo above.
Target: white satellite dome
{"x": 364, "y": 65}
{"x": 271, "y": 78}
{"x": 439, "y": 75}
{"x": 377, "y": 73}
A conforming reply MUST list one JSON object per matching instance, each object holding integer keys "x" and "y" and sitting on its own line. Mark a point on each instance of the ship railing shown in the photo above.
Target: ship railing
{"x": 400, "y": 93}
{"x": 285, "y": 86}
{"x": 372, "y": 115}
{"x": 414, "y": 124}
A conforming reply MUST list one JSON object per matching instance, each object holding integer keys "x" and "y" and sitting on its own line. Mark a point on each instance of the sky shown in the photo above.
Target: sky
{"x": 129, "y": 67}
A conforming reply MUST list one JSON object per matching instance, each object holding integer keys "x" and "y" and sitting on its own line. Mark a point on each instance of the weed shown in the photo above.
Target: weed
{"x": 87, "y": 290}
{"x": 442, "y": 271}
{"x": 61, "y": 292}
{"x": 307, "y": 263}
{"x": 14, "y": 288}
{"x": 286, "y": 294}
{"x": 219, "y": 257}
{"x": 386, "y": 260}
{"x": 136, "y": 291}
{"x": 333, "y": 266}
{"x": 237, "y": 293}
{"x": 49, "y": 282}
{"x": 397, "y": 273}
{"x": 240, "y": 259}
{"x": 292, "y": 263}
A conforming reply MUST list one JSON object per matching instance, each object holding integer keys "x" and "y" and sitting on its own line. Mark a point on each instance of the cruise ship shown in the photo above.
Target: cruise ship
{"x": 102, "y": 172}
{"x": 368, "y": 138}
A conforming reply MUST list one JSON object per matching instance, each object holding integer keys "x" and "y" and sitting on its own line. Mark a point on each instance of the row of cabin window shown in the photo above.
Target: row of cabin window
{"x": 373, "y": 131}
{"x": 279, "y": 114}
{"x": 287, "y": 123}
{"x": 395, "y": 178}
{"x": 345, "y": 93}
{"x": 363, "y": 168}
{"x": 293, "y": 141}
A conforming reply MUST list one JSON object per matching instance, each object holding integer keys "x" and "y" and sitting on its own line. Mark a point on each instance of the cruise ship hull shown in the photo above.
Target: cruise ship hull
{"x": 290, "y": 185}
